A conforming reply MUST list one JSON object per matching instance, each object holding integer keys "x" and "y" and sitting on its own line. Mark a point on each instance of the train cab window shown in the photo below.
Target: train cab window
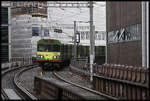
{"x": 56, "y": 48}
{"x": 42, "y": 48}
{"x": 48, "y": 48}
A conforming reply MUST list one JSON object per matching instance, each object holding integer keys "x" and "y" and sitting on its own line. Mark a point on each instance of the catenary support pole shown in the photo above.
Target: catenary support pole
{"x": 91, "y": 41}
{"x": 9, "y": 35}
{"x": 145, "y": 34}
{"x": 75, "y": 46}
{"x": 147, "y": 16}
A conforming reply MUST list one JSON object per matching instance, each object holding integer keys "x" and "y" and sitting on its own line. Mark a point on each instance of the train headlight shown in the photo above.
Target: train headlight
{"x": 55, "y": 57}
{"x": 42, "y": 56}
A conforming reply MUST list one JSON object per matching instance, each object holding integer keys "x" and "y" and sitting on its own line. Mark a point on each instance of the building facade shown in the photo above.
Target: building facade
{"x": 22, "y": 15}
{"x": 5, "y": 32}
{"x": 124, "y": 33}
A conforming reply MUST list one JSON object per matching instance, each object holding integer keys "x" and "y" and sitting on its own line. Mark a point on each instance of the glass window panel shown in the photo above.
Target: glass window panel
{"x": 4, "y": 53}
{"x": 4, "y": 15}
{"x": 102, "y": 36}
{"x": 4, "y": 32}
{"x": 87, "y": 35}
{"x": 82, "y": 36}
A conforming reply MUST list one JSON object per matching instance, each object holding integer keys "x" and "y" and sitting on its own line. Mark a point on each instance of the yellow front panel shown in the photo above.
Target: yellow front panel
{"x": 49, "y": 55}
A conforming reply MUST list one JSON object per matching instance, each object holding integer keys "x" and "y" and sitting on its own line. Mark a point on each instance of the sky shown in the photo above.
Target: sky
{"x": 67, "y": 16}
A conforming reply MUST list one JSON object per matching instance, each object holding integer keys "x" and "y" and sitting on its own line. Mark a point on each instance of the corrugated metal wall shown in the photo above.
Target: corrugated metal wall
{"x": 118, "y": 15}
{"x": 129, "y": 53}
{"x": 121, "y": 14}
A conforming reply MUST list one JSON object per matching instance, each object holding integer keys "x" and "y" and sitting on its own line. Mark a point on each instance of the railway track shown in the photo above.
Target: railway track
{"x": 22, "y": 81}
{"x": 10, "y": 83}
{"x": 80, "y": 82}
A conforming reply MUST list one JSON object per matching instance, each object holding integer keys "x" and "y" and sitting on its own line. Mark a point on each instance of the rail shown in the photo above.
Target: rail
{"x": 17, "y": 88}
{"x": 21, "y": 89}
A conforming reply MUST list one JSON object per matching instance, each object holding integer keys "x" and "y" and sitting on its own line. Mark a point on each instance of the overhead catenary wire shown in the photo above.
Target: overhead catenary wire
{"x": 56, "y": 22}
{"x": 77, "y": 14}
{"x": 59, "y": 19}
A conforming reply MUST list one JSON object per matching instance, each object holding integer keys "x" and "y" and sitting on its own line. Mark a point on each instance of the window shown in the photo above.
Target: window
{"x": 4, "y": 31}
{"x": 96, "y": 36}
{"x": 82, "y": 35}
{"x": 14, "y": 3}
{"x": 4, "y": 15}
{"x": 46, "y": 32}
{"x": 58, "y": 30}
{"x": 48, "y": 48}
{"x": 87, "y": 35}
{"x": 35, "y": 31}
{"x": 4, "y": 53}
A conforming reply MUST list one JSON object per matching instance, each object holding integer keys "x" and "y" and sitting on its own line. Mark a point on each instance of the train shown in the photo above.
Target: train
{"x": 53, "y": 53}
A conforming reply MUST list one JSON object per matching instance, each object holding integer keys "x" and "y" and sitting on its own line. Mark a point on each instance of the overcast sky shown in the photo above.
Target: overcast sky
{"x": 69, "y": 15}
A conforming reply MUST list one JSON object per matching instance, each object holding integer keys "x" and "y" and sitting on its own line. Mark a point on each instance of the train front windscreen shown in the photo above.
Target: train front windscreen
{"x": 49, "y": 48}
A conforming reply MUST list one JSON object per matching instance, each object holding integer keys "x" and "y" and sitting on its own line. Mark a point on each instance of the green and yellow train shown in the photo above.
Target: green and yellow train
{"x": 54, "y": 54}
{"x": 48, "y": 53}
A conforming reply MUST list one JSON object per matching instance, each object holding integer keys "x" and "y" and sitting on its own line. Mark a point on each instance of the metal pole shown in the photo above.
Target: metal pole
{"x": 77, "y": 50}
{"x": 91, "y": 41}
{"x": 147, "y": 25}
{"x": 106, "y": 52}
{"x": 143, "y": 31}
{"x": 75, "y": 47}
{"x": 9, "y": 33}
{"x": 42, "y": 32}
{"x": 143, "y": 34}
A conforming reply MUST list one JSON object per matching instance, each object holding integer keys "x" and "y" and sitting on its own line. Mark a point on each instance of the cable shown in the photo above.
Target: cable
{"x": 71, "y": 15}
{"x": 56, "y": 21}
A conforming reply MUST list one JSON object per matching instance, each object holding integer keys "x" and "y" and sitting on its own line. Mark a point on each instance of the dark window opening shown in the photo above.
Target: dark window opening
{"x": 48, "y": 48}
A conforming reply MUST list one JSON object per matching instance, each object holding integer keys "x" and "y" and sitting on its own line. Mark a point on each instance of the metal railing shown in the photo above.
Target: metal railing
{"x": 20, "y": 61}
{"x": 81, "y": 66}
{"x": 122, "y": 81}
{"x": 52, "y": 88}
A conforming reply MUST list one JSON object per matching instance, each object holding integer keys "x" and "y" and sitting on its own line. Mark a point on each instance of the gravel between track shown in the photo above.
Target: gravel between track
{"x": 72, "y": 77}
